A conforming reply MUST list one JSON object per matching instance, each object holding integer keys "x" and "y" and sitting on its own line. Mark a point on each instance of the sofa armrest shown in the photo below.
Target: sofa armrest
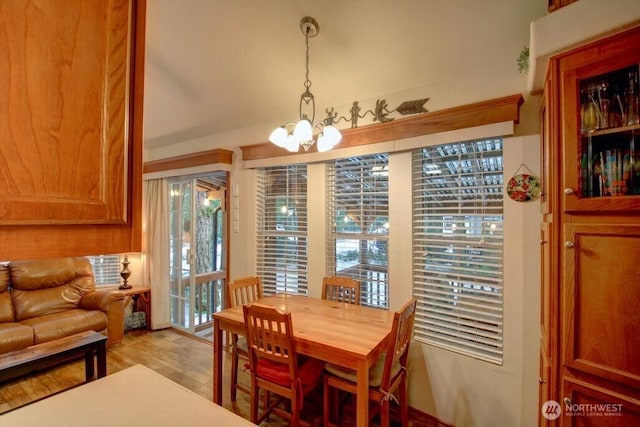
{"x": 112, "y": 303}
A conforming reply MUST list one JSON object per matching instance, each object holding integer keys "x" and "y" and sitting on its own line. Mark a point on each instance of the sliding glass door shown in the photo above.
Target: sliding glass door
{"x": 197, "y": 251}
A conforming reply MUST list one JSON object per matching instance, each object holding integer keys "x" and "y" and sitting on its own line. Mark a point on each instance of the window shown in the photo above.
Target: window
{"x": 457, "y": 247}
{"x": 106, "y": 269}
{"x": 282, "y": 228}
{"x": 358, "y": 216}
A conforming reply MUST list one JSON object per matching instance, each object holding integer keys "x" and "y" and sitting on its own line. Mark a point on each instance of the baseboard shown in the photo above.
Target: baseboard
{"x": 422, "y": 419}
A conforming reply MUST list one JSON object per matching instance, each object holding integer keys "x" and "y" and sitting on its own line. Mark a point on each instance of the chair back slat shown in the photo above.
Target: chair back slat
{"x": 341, "y": 289}
{"x": 244, "y": 291}
{"x": 270, "y": 336}
{"x": 399, "y": 341}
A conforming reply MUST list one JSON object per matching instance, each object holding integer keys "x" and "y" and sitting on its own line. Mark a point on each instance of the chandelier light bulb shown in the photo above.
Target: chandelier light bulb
{"x": 302, "y": 131}
{"x": 279, "y": 137}
{"x": 292, "y": 144}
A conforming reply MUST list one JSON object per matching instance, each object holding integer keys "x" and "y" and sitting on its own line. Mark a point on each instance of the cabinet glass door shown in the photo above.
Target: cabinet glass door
{"x": 609, "y": 124}
{"x": 601, "y": 125}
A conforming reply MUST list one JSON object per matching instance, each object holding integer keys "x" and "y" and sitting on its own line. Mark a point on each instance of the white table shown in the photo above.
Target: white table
{"x": 135, "y": 397}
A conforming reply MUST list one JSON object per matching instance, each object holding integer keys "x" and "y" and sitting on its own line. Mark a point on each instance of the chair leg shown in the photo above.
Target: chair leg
{"x": 384, "y": 413}
{"x": 234, "y": 374}
{"x": 295, "y": 410}
{"x": 255, "y": 394}
{"x": 330, "y": 404}
{"x": 325, "y": 401}
{"x": 404, "y": 403}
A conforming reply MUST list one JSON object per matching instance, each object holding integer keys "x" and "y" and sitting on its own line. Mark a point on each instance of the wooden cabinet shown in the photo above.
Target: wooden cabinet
{"x": 590, "y": 347}
{"x": 71, "y": 127}
{"x": 592, "y": 405}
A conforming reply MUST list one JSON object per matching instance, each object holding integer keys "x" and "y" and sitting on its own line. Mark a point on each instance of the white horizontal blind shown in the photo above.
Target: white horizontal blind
{"x": 282, "y": 228}
{"x": 106, "y": 269}
{"x": 358, "y": 224}
{"x": 457, "y": 247}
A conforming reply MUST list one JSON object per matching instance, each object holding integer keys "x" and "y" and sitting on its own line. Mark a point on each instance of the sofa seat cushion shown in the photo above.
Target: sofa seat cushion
{"x": 57, "y": 325}
{"x": 14, "y": 336}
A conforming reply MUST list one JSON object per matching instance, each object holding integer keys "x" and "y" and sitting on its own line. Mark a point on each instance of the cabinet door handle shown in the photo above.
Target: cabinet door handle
{"x": 567, "y": 401}
{"x": 569, "y": 244}
{"x": 542, "y": 381}
{"x": 568, "y": 191}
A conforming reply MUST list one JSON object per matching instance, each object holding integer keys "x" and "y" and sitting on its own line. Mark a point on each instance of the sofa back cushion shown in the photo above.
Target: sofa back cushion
{"x": 48, "y": 286}
{"x": 6, "y": 306}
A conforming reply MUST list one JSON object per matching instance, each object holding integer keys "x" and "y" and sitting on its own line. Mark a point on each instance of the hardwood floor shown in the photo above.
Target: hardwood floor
{"x": 183, "y": 359}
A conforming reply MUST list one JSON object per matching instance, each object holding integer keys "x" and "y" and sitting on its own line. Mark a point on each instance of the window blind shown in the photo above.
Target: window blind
{"x": 282, "y": 228}
{"x": 457, "y": 247}
{"x": 106, "y": 269}
{"x": 358, "y": 224}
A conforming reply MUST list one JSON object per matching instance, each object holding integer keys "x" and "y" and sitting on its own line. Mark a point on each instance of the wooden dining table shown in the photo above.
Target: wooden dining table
{"x": 347, "y": 335}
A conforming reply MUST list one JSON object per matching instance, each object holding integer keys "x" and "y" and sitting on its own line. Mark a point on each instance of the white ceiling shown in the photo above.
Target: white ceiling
{"x": 217, "y": 65}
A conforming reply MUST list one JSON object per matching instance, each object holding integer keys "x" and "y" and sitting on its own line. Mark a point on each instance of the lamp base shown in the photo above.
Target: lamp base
{"x": 125, "y": 286}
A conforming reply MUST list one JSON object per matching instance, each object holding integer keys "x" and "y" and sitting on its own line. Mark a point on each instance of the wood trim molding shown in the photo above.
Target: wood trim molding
{"x": 217, "y": 155}
{"x": 477, "y": 114}
{"x": 420, "y": 418}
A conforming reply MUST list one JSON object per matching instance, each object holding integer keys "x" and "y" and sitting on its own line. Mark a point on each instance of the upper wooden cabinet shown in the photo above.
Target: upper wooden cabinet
{"x": 601, "y": 126}
{"x": 71, "y": 127}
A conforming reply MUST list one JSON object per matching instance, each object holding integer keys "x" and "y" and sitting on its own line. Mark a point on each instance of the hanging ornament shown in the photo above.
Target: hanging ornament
{"x": 523, "y": 186}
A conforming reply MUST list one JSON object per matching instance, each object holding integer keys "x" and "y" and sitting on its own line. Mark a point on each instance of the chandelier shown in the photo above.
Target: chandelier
{"x": 292, "y": 135}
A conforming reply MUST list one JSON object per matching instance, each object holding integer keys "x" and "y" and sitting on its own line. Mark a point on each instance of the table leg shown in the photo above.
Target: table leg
{"x": 89, "y": 367}
{"x": 362, "y": 395}
{"x": 101, "y": 356}
{"x": 217, "y": 362}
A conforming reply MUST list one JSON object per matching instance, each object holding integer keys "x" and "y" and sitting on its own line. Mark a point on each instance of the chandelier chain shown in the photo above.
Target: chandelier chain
{"x": 307, "y": 82}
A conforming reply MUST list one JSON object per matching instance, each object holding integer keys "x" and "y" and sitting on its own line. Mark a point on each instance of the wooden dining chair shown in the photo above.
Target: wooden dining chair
{"x": 387, "y": 376}
{"x": 341, "y": 289}
{"x": 275, "y": 365}
{"x": 241, "y": 292}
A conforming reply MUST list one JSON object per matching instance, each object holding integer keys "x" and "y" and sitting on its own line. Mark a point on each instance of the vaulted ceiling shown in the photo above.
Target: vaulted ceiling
{"x": 213, "y": 66}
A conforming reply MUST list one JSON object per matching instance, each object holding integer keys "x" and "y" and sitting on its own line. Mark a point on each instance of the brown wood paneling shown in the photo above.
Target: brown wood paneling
{"x": 480, "y": 113}
{"x": 64, "y": 133}
{"x": 201, "y": 158}
{"x": 68, "y": 229}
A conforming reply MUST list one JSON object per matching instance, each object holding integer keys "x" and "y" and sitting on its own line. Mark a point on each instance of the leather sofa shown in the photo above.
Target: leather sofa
{"x": 42, "y": 300}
